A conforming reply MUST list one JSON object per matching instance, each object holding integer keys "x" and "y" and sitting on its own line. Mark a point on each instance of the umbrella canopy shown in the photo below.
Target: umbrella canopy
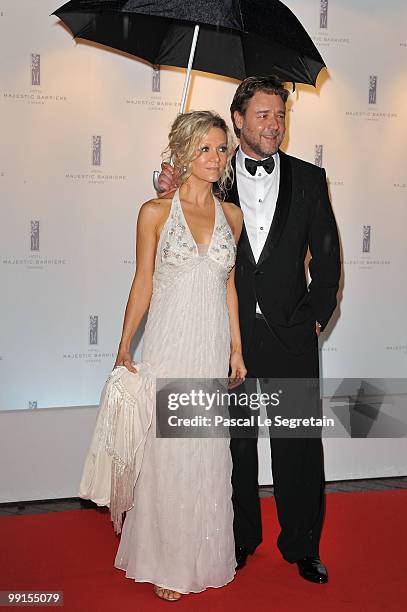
{"x": 237, "y": 38}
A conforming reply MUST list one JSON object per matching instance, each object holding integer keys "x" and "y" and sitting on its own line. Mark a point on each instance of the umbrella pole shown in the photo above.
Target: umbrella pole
{"x": 156, "y": 173}
{"x": 189, "y": 69}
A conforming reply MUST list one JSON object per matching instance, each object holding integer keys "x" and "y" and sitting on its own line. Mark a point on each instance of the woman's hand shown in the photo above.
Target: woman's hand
{"x": 124, "y": 359}
{"x": 238, "y": 368}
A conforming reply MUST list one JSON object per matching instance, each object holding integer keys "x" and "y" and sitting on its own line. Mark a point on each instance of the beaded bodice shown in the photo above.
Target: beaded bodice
{"x": 177, "y": 245}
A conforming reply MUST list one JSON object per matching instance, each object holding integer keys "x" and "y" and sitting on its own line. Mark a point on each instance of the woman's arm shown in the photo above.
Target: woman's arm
{"x": 142, "y": 285}
{"x": 233, "y": 306}
{"x": 236, "y": 360}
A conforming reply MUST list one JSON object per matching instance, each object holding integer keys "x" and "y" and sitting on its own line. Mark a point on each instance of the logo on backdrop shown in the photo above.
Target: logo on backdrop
{"x": 372, "y": 89}
{"x": 369, "y": 113}
{"x": 323, "y": 14}
{"x": 367, "y": 260}
{"x": 397, "y": 347}
{"x": 327, "y": 348}
{"x": 35, "y": 236}
{"x": 34, "y": 93}
{"x": 32, "y": 259}
{"x": 91, "y": 353}
{"x": 155, "y": 86}
{"x": 321, "y": 37}
{"x": 93, "y": 329}
{"x": 35, "y": 69}
{"x": 96, "y": 150}
{"x": 319, "y": 161}
{"x": 93, "y": 173}
{"x": 366, "y": 234}
{"x": 154, "y": 100}
{"x": 318, "y": 155}
{"x": 32, "y": 404}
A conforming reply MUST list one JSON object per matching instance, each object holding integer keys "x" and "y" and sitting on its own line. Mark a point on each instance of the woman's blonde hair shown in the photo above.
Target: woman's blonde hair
{"x": 187, "y": 132}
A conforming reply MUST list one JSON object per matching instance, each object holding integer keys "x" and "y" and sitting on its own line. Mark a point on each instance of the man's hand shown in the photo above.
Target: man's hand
{"x": 317, "y": 328}
{"x": 167, "y": 180}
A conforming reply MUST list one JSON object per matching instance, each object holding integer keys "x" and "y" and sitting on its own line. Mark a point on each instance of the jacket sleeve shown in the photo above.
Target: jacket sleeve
{"x": 325, "y": 265}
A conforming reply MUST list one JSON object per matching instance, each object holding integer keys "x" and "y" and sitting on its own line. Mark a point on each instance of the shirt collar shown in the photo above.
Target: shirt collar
{"x": 240, "y": 157}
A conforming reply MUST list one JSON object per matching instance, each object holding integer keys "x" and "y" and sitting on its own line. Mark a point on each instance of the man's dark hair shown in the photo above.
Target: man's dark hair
{"x": 247, "y": 89}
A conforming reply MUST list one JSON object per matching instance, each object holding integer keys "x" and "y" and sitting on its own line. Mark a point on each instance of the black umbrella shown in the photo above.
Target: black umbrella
{"x": 237, "y": 38}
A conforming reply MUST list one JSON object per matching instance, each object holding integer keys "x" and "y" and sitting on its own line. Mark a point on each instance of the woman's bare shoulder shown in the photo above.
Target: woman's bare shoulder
{"x": 155, "y": 212}
{"x": 156, "y": 208}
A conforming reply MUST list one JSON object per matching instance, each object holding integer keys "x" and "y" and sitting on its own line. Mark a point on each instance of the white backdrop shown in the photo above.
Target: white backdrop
{"x": 82, "y": 129}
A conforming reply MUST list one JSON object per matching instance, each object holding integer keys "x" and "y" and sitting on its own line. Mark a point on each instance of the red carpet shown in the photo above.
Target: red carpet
{"x": 364, "y": 546}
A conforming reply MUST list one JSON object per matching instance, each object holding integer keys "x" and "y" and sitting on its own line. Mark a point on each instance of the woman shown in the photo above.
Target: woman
{"x": 179, "y": 533}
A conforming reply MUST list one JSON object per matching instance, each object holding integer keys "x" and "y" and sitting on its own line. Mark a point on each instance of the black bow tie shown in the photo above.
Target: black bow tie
{"x": 252, "y": 165}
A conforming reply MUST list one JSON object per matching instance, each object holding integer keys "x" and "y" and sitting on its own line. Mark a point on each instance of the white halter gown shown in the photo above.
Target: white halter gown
{"x": 179, "y": 533}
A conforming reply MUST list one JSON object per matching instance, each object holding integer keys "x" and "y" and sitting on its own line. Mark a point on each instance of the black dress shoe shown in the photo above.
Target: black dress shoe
{"x": 312, "y": 569}
{"x": 241, "y": 553}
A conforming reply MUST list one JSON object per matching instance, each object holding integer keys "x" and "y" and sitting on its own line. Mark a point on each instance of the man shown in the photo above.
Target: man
{"x": 286, "y": 213}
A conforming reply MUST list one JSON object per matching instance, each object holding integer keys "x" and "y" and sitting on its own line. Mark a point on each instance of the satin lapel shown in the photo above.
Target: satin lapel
{"x": 282, "y": 208}
{"x": 232, "y": 195}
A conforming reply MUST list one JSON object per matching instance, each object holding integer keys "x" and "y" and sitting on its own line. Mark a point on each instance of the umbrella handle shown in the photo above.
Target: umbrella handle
{"x": 156, "y": 174}
{"x": 189, "y": 69}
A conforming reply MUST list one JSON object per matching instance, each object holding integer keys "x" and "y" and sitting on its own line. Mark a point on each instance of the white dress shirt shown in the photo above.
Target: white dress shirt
{"x": 258, "y": 196}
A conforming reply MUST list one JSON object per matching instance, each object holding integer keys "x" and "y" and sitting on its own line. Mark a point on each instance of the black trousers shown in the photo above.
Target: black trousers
{"x": 297, "y": 463}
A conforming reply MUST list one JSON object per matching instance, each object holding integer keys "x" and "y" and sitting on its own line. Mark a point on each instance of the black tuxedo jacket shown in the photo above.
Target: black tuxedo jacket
{"x": 303, "y": 219}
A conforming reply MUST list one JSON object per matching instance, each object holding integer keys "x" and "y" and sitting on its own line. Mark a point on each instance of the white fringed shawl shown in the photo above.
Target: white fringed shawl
{"x": 116, "y": 452}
